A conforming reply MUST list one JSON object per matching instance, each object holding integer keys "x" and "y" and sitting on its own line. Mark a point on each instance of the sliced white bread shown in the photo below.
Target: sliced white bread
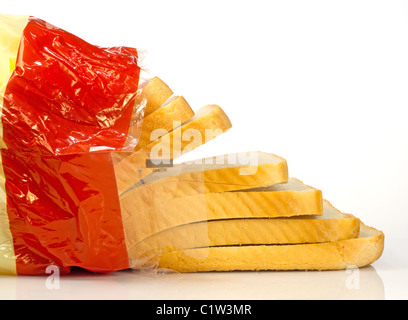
{"x": 335, "y": 255}
{"x": 275, "y": 201}
{"x": 234, "y": 171}
{"x": 331, "y": 226}
{"x": 173, "y": 113}
{"x": 187, "y": 179}
{"x": 132, "y": 166}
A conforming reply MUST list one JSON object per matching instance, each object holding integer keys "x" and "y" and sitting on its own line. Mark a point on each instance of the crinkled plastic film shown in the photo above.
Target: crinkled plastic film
{"x": 63, "y": 211}
{"x": 64, "y": 103}
{"x": 62, "y": 95}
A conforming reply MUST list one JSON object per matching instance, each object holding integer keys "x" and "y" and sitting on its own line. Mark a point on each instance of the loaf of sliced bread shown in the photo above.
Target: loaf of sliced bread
{"x": 334, "y": 255}
{"x": 209, "y": 216}
{"x": 331, "y": 226}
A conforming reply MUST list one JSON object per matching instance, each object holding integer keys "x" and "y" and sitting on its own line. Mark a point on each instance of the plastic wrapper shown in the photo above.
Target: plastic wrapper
{"x": 63, "y": 102}
{"x": 62, "y": 211}
{"x": 61, "y": 95}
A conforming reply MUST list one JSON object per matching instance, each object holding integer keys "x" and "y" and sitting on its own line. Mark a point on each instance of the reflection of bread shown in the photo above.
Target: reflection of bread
{"x": 331, "y": 226}
{"x": 335, "y": 255}
{"x": 132, "y": 166}
{"x": 352, "y": 284}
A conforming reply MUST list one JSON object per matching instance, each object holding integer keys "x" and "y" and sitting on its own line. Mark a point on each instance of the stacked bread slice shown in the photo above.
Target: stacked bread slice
{"x": 229, "y": 212}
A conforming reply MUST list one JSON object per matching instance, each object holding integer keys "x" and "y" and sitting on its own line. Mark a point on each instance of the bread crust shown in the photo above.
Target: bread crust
{"x": 176, "y": 111}
{"x": 336, "y": 255}
{"x": 131, "y": 167}
{"x": 155, "y": 93}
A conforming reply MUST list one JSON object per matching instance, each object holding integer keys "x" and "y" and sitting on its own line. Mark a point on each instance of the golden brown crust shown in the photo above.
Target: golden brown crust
{"x": 151, "y": 197}
{"x": 238, "y": 232}
{"x": 156, "y": 92}
{"x": 176, "y": 111}
{"x": 131, "y": 167}
{"x": 335, "y": 255}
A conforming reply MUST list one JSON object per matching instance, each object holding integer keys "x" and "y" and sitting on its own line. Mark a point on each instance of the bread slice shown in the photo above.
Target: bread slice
{"x": 331, "y": 226}
{"x": 213, "y": 174}
{"x": 155, "y": 92}
{"x": 243, "y": 170}
{"x": 208, "y": 122}
{"x": 335, "y": 255}
{"x": 280, "y": 200}
{"x": 132, "y": 167}
{"x": 175, "y": 111}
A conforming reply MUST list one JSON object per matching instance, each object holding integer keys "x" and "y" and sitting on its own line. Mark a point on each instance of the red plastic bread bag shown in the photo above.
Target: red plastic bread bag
{"x": 62, "y": 211}
{"x": 64, "y": 102}
{"x": 67, "y": 96}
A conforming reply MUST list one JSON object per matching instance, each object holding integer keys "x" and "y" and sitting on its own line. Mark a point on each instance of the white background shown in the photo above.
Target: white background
{"x": 323, "y": 84}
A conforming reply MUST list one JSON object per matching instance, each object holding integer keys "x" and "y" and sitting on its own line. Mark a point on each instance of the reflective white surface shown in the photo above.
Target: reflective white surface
{"x": 236, "y": 285}
{"x": 364, "y": 283}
